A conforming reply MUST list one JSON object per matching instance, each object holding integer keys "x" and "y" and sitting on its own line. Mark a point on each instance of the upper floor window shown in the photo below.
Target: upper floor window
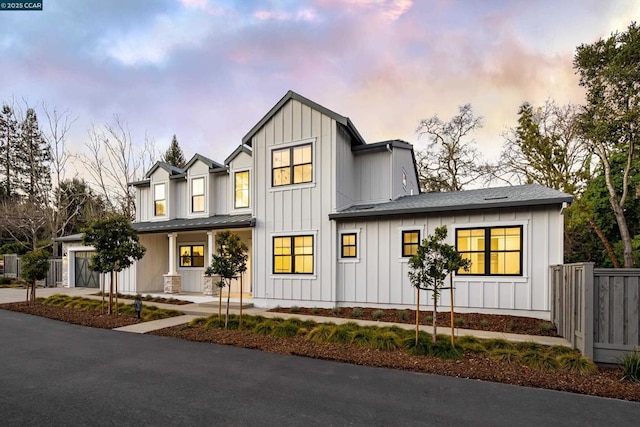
{"x": 197, "y": 195}
{"x": 241, "y": 198}
{"x": 192, "y": 256}
{"x": 293, "y": 255}
{"x": 410, "y": 243}
{"x": 502, "y": 256}
{"x": 159, "y": 200}
{"x": 292, "y": 165}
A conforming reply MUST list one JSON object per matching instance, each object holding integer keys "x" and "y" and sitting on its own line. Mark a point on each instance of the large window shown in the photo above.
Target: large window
{"x": 348, "y": 245}
{"x": 292, "y": 165}
{"x": 493, "y": 251}
{"x": 293, "y": 255}
{"x": 197, "y": 195}
{"x": 410, "y": 242}
{"x": 192, "y": 256}
{"x": 241, "y": 182}
{"x": 159, "y": 200}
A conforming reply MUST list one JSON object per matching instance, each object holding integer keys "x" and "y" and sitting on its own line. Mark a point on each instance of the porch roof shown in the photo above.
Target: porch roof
{"x": 208, "y": 223}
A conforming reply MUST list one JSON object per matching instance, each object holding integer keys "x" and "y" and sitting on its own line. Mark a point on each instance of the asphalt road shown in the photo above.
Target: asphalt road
{"x": 55, "y": 374}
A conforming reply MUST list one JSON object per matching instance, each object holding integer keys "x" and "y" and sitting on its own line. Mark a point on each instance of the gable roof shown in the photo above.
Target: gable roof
{"x": 344, "y": 121}
{"x": 172, "y": 170}
{"x": 241, "y": 149}
{"x": 207, "y": 161}
{"x": 486, "y": 198}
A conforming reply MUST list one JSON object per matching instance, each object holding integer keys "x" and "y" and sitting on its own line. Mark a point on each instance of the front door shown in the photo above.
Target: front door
{"x": 85, "y": 278}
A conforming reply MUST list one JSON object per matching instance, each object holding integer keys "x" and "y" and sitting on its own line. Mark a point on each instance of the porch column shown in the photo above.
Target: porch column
{"x": 172, "y": 280}
{"x": 209, "y": 247}
{"x": 172, "y": 254}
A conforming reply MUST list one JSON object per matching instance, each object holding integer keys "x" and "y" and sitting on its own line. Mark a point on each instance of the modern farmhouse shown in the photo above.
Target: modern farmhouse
{"x": 332, "y": 221}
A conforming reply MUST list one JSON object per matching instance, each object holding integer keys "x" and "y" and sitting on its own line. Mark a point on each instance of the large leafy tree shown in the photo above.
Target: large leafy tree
{"x": 116, "y": 246}
{"x": 546, "y": 148}
{"x": 451, "y": 161}
{"x": 33, "y": 159}
{"x": 229, "y": 262}
{"x": 35, "y": 265}
{"x": 430, "y": 266}
{"x": 609, "y": 70}
{"x": 174, "y": 155}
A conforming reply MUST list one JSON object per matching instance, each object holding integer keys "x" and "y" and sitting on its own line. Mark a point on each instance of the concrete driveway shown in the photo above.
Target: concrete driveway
{"x": 53, "y": 373}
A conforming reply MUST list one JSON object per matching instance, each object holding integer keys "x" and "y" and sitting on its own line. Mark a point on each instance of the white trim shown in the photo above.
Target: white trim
{"x": 314, "y": 164}
{"x": 356, "y": 259}
{"x": 152, "y": 213}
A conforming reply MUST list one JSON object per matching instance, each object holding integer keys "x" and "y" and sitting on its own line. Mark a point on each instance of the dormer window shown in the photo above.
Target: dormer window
{"x": 197, "y": 195}
{"x": 292, "y": 165}
{"x": 241, "y": 193}
{"x": 160, "y": 200}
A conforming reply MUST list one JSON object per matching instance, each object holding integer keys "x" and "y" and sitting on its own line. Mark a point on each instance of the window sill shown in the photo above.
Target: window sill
{"x": 294, "y": 276}
{"x": 348, "y": 260}
{"x": 291, "y": 187}
{"x": 476, "y": 278}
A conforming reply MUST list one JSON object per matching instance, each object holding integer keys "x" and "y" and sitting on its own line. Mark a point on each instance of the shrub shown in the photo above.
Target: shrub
{"x": 459, "y": 321}
{"x": 474, "y": 348}
{"x": 286, "y": 329}
{"x": 402, "y": 315}
{"x": 336, "y": 311}
{"x": 340, "y": 334}
{"x": 505, "y": 355}
{"x": 428, "y": 318}
{"x": 294, "y": 309}
{"x": 576, "y": 363}
{"x": 510, "y": 326}
{"x": 377, "y": 314}
{"x": 214, "y": 322}
{"x": 320, "y": 333}
{"x": 5, "y": 280}
{"x": 546, "y": 327}
{"x": 357, "y": 312}
{"x": 385, "y": 340}
{"x": 264, "y": 328}
{"x": 536, "y": 359}
{"x": 444, "y": 350}
{"x": 361, "y": 336}
{"x": 484, "y": 323}
{"x": 498, "y": 343}
{"x": 630, "y": 365}
{"x": 420, "y": 347}
{"x": 467, "y": 339}
{"x": 315, "y": 310}
{"x": 558, "y": 350}
{"x": 528, "y": 346}
{"x": 199, "y": 321}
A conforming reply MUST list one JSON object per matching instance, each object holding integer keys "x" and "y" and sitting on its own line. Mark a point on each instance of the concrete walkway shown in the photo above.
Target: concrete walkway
{"x": 205, "y": 308}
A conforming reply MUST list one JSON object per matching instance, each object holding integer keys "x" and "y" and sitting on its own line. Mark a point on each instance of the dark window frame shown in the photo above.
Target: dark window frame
{"x": 405, "y": 246}
{"x": 354, "y": 246}
{"x": 292, "y": 255}
{"x": 191, "y": 256}
{"x": 487, "y": 251}
{"x": 291, "y": 166}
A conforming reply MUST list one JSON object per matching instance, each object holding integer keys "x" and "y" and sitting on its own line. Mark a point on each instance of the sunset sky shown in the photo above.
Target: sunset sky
{"x": 208, "y": 70}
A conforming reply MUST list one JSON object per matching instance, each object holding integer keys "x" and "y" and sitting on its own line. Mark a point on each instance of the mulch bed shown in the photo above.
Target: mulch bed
{"x": 480, "y": 322}
{"x": 606, "y": 382}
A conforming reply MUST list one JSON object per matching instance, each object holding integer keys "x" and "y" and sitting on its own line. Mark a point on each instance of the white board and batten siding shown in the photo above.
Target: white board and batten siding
{"x": 299, "y": 209}
{"x": 379, "y": 276}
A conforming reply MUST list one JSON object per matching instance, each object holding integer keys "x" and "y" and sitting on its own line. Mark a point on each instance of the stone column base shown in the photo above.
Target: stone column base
{"x": 210, "y": 286}
{"x": 172, "y": 283}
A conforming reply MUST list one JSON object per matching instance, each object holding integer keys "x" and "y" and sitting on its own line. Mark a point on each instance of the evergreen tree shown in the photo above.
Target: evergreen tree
{"x": 33, "y": 158}
{"x": 8, "y": 145}
{"x": 174, "y": 155}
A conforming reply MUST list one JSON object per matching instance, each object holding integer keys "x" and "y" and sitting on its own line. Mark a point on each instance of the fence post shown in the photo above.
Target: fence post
{"x": 587, "y": 310}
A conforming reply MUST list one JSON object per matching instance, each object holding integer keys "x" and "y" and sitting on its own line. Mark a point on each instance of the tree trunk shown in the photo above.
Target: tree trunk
{"x": 605, "y": 242}
{"x": 624, "y": 233}
{"x": 241, "y": 291}
{"x": 110, "y": 309}
{"x": 435, "y": 314}
{"x": 117, "y": 294}
{"x": 226, "y": 319}
{"x": 102, "y": 276}
{"x": 453, "y": 340}
{"x": 219, "y": 302}
{"x": 417, "y": 314}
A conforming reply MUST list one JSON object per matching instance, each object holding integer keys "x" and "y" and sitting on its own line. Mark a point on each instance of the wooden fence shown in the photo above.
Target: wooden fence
{"x": 13, "y": 268}
{"x": 597, "y": 309}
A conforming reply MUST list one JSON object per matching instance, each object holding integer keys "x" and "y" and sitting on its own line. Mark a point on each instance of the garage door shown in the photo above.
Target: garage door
{"x": 85, "y": 278}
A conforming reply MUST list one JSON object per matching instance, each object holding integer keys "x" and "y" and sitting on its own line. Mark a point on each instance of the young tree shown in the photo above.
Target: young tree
{"x": 450, "y": 161}
{"x": 229, "y": 262}
{"x": 174, "y": 155}
{"x": 35, "y": 265}
{"x": 546, "y": 148}
{"x": 116, "y": 246}
{"x": 432, "y": 263}
{"x": 610, "y": 74}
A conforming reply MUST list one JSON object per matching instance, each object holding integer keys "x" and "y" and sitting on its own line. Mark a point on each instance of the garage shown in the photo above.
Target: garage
{"x": 84, "y": 277}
